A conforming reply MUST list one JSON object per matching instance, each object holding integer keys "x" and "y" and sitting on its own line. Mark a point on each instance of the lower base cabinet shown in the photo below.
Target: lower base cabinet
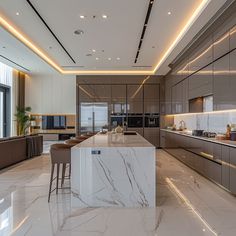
{"x": 232, "y": 170}
{"x": 215, "y": 161}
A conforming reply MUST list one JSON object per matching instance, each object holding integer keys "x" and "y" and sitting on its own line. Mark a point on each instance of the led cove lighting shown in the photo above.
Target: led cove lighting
{"x": 21, "y": 37}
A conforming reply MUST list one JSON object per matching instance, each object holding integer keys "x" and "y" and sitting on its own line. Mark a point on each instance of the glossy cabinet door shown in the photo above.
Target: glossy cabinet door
{"x": 135, "y": 99}
{"x": 225, "y": 169}
{"x": 232, "y": 171}
{"x": 151, "y": 98}
{"x": 118, "y": 98}
{"x": 232, "y": 42}
{"x": 168, "y": 89}
{"x": 201, "y": 56}
{"x": 221, "y": 43}
{"x": 152, "y": 135}
{"x": 224, "y": 96}
{"x": 177, "y": 98}
{"x": 200, "y": 83}
{"x": 185, "y": 103}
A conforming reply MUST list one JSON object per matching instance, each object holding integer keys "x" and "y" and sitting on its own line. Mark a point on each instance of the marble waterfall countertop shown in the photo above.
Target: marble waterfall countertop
{"x": 113, "y": 170}
{"x": 115, "y": 140}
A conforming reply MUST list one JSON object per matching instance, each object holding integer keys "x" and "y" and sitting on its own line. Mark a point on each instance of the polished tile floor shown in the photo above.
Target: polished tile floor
{"x": 187, "y": 205}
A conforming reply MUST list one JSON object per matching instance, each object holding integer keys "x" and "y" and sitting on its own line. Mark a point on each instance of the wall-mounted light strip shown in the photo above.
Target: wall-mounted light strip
{"x": 17, "y": 34}
{"x": 187, "y": 26}
{"x": 202, "y": 113}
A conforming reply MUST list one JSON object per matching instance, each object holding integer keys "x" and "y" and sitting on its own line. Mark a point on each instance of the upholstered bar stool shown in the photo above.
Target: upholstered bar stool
{"x": 60, "y": 155}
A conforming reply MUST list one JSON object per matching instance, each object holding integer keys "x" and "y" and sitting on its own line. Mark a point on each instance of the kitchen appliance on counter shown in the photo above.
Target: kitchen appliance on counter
{"x": 152, "y": 120}
{"x": 197, "y": 132}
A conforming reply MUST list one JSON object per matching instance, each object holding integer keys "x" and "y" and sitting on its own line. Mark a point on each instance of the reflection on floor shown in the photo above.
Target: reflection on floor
{"x": 187, "y": 204}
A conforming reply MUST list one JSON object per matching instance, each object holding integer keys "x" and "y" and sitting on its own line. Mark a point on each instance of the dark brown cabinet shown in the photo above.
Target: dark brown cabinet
{"x": 151, "y": 98}
{"x": 232, "y": 170}
{"x": 225, "y": 169}
{"x": 215, "y": 161}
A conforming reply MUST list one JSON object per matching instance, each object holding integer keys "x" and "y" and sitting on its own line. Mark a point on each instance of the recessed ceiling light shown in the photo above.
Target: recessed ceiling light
{"x": 93, "y": 50}
{"x": 97, "y": 58}
{"x": 117, "y": 58}
{"x": 109, "y": 58}
{"x": 4, "y": 47}
{"x": 104, "y": 16}
{"x": 153, "y": 46}
{"x": 88, "y": 55}
{"x": 79, "y": 32}
{"x": 169, "y": 12}
{"x": 82, "y": 16}
{"x": 17, "y": 13}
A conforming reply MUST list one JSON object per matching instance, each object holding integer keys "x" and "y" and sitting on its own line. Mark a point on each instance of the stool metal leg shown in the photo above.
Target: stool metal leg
{"x": 63, "y": 174}
{"x": 58, "y": 173}
{"x": 51, "y": 179}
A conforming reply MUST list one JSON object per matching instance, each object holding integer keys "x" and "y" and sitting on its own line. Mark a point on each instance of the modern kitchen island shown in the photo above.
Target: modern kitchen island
{"x": 113, "y": 170}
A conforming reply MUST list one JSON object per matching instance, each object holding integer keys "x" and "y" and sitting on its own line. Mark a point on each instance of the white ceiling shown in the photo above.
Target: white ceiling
{"x": 118, "y": 35}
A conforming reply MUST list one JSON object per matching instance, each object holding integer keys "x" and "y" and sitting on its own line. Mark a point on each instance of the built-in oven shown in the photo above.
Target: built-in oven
{"x": 152, "y": 120}
{"x": 135, "y": 120}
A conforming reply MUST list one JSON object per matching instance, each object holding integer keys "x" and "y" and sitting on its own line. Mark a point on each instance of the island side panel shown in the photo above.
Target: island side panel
{"x": 118, "y": 176}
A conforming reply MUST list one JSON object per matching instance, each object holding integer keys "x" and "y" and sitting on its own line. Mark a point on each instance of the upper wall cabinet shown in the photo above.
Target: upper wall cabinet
{"x": 221, "y": 45}
{"x": 233, "y": 38}
{"x": 134, "y": 99}
{"x": 223, "y": 87}
{"x": 168, "y": 95}
{"x": 200, "y": 84}
{"x": 151, "y": 98}
{"x": 202, "y": 56}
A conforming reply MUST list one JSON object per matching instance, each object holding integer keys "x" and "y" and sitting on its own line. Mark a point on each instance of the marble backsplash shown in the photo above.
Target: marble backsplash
{"x": 213, "y": 122}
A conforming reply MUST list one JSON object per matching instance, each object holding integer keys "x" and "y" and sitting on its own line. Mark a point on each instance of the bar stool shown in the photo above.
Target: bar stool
{"x": 60, "y": 154}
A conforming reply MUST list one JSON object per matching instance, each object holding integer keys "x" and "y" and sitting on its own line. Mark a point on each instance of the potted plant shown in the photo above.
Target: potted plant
{"x": 23, "y": 119}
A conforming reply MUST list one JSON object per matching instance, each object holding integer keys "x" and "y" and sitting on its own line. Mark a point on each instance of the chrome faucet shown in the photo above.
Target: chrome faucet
{"x": 182, "y": 125}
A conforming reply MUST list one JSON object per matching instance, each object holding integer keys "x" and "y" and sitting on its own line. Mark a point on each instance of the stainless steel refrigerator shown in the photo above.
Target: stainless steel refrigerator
{"x": 93, "y": 116}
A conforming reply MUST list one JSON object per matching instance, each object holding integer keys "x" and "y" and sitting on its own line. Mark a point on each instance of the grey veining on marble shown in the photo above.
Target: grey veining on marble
{"x": 118, "y": 176}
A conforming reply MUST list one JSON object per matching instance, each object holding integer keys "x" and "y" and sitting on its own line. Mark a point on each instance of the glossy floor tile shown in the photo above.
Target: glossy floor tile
{"x": 187, "y": 204}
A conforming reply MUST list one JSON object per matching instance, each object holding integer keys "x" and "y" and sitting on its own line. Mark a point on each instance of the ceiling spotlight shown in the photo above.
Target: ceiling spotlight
{"x": 97, "y": 58}
{"x": 17, "y": 13}
{"x": 82, "y": 16}
{"x": 88, "y": 55}
{"x": 93, "y": 50}
{"x": 109, "y": 59}
{"x": 79, "y": 32}
{"x": 104, "y": 16}
{"x": 117, "y": 58}
{"x": 169, "y": 12}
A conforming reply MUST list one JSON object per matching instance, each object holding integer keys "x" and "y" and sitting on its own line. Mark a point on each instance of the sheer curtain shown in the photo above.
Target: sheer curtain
{"x": 9, "y": 77}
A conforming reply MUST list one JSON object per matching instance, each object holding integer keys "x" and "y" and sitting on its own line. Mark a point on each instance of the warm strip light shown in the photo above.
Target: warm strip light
{"x": 144, "y": 81}
{"x": 182, "y": 32}
{"x": 189, "y": 204}
{"x": 28, "y": 43}
{"x": 202, "y": 113}
{"x": 46, "y": 58}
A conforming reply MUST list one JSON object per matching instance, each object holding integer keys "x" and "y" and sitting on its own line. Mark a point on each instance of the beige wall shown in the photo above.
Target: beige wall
{"x": 51, "y": 93}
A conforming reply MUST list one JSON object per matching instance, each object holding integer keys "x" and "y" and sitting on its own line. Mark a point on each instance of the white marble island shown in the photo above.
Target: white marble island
{"x": 113, "y": 170}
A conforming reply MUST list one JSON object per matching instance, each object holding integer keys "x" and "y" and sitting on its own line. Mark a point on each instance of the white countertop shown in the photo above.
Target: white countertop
{"x": 114, "y": 140}
{"x": 213, "y": 140}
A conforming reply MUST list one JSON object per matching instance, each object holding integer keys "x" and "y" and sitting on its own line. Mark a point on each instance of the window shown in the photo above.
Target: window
{"x": 5, "y": 100}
